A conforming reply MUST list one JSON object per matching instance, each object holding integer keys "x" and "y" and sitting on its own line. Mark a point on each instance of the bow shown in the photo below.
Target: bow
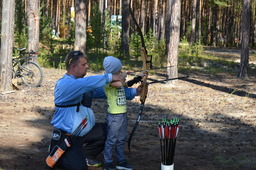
{"x": 143, "y": 94}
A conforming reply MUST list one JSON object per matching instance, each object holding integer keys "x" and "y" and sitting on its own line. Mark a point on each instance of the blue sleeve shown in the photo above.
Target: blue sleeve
{"x": 129, "y": 92}
{"x": 69, "y": 90}
{"x": 99, "y": 93}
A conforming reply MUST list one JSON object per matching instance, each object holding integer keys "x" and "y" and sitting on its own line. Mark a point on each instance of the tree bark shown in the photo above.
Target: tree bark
{"x": 125, "y": 28}
{"x": 174, "y": 37}
{"x": 193, "y": 22}
{"x": 80, "y": 30}
{"x": 162, "y": 22}
{"x": 246, "y": 15}
{"x": 33, "y": 24}
{"x": 143, "y": 16}
{"x": 155, "y": 19}
{"x": 8, "y": 10}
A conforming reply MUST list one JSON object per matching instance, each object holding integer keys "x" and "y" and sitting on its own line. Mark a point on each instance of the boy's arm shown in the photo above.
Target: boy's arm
{"x": 121, "y": 82}
{"x": 116, "y": 84}
{"x": 129, "y": 92}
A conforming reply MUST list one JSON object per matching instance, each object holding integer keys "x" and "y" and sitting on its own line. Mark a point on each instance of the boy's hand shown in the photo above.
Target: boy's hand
{"x": 119, "y": 77}
{"x": 123, "y": 75}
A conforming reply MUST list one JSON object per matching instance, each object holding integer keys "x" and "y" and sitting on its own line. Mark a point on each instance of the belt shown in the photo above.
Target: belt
{"x": 70, "y": 105}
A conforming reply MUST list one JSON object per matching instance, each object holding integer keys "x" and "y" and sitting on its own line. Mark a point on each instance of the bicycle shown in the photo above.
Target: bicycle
{"x": 25, "y": 68}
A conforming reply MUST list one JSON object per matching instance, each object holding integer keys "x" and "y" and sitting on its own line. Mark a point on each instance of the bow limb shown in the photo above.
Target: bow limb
{"x": 143, "y": 95}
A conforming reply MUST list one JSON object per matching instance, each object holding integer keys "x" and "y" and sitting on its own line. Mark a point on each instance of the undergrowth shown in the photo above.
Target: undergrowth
{"x": 191, "y": 58}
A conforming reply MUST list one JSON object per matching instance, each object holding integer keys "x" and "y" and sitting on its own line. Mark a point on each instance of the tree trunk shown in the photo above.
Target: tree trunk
{"x": 80, "y": 30}
{"x": 89, "y": 11}
{"x": 7, "y": 33}
{"x": 33, "y": 24}
{"x": 155, "y": 19}
{"x": 125, "y": 28}
{"x": 162, "y": 20}
{"x": 143, "y": 16}
{"x": 214, "y": 25}
{"x": 246, "y": 15}
{"x": 193, "y": 22}
{"x": 200, "y": 21}
{"x": 168, "y": 21}
{"x": 174, "y": 37}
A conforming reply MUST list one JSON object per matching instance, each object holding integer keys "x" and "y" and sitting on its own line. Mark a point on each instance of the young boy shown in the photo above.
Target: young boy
{"x": 116, "y": 115}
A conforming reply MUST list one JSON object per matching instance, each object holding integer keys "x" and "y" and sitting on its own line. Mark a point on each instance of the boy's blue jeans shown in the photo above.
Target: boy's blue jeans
{"x": 116, "y": 136}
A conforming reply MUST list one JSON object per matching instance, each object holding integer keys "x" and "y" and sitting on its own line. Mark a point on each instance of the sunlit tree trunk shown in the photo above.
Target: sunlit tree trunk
{"x": 155, "y": 18}
{"x": 7, "y": 35}
{"x": 143, "y": 15}
{"x": 174, "y": 37}
{"x": 246, "y": 15}
{"x": 80, "y": 30}
{"x": 33, "y": 24}
{"x": 89, "y": 11}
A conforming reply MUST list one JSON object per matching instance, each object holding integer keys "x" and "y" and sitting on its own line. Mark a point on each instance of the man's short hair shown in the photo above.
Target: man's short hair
{"x": 73, "y": 58}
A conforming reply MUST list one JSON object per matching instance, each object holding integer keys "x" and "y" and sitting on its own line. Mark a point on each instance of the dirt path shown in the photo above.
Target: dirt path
{"x": 217, "y": 118}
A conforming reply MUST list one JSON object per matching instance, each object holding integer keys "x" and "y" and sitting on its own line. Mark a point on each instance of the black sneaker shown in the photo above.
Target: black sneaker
{"x": 94, "y": 163}
{"x": 124, "y": 166}
{"x": 109, "y": 166}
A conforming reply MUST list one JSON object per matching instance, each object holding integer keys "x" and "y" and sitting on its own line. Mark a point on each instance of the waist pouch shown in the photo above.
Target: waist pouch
{"x": 57, "y": 138}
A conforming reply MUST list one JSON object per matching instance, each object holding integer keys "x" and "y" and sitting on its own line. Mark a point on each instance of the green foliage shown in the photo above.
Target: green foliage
{"x": 114, "y": 41}
{"x": 158, "y": 53}
{"x": 95, "y": 36}
{"x": 154, "y": 47}
{"x": 190, "y": 49}
{"x": 20, "y": 31}
{"x": 96, "y": 60}
{"x": 135, "y": 44}
{"x": 221, "y": 3}
{"x": 56, "y": 56}
{"x": 45, "y": 29}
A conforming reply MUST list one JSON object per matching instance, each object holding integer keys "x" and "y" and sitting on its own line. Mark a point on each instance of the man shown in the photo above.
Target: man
{"x": 70, "y": 110}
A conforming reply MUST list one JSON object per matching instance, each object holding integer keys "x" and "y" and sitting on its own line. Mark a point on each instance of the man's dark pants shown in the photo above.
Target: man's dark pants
{"x": 89, "y": 146}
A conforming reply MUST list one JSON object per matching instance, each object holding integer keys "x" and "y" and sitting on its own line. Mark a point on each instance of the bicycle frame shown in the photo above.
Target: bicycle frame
{"x": 25, "y": 68}
{"x": 23, "y": 57}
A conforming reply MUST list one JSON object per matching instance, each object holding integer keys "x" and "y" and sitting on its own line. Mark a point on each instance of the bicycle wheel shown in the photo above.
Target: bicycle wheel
{"x": 31, "y": 74}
